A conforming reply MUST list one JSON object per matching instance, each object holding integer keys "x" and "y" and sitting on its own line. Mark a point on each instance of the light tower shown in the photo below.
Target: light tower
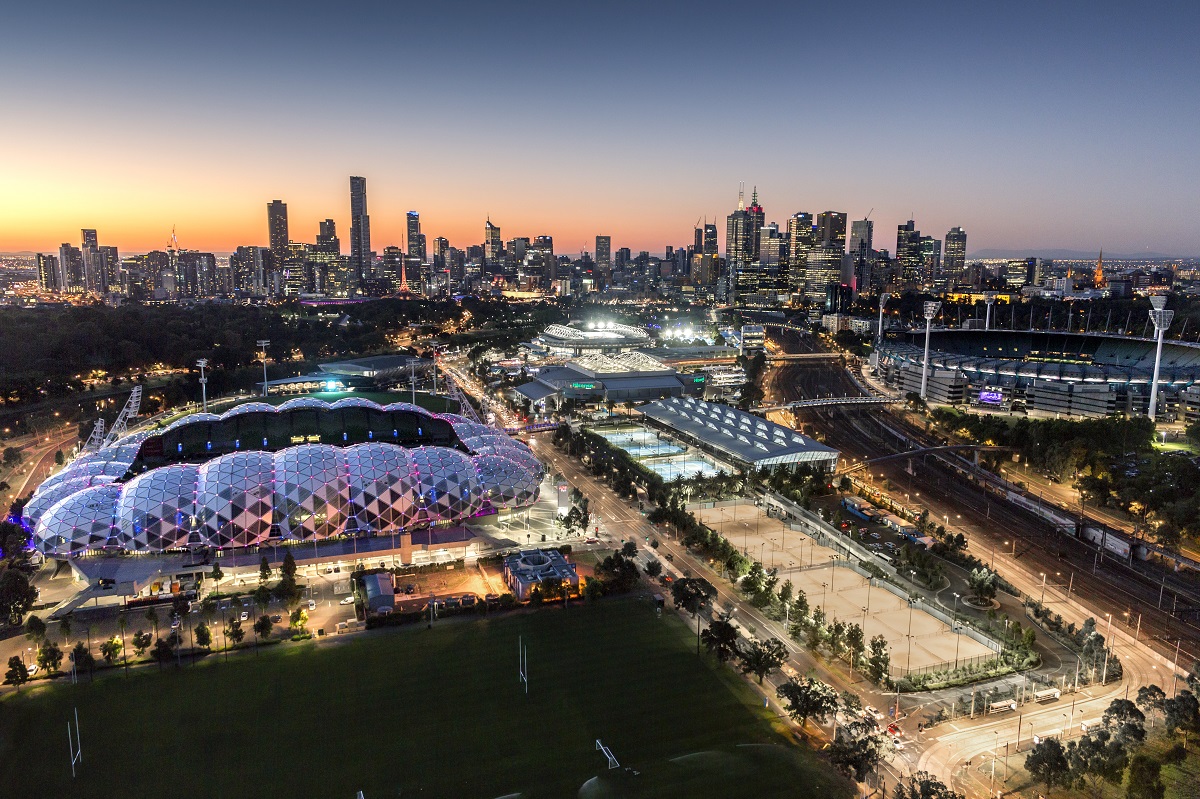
{"x": 931, "y": 310}
{"x": 883, "y": 298}
{"x": 203, "y": 362}
{"x": 990, "y": 298}
{"x": 1162, "y": 320}
{"x": 262, "y": 345}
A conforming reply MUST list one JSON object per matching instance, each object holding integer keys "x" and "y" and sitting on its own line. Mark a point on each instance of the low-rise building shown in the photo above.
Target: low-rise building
{"x": 532, "y": 567}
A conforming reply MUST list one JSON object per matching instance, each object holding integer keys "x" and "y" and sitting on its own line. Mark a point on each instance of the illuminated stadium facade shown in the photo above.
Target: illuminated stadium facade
{"x": 1073, "y": 374}
{"x": 606, "y": 337}
{"x": 304, "y": 471}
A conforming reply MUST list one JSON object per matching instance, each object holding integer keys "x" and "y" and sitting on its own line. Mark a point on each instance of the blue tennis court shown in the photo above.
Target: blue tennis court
{"x": 683, "y": 468}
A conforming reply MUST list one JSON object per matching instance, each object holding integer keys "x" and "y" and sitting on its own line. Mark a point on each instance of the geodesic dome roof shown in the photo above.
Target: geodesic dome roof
{"x": 48, "y": 496}
{"x": 405, "y": 406}
{"x": 235, "y": 499}
{"x": 304, "y": 402}
{"x": 446, "y": 486}
{"x": 310, "y": 491}
{"x": 249, "y": 407}
{"x": 80, "y": 521}
{"x": 505, "y": 482}
{"x": 381, "y": 487}
{"x": 157, "y": 509}
{"x": 194, "y": 417}
{"x": 355, "y": 402}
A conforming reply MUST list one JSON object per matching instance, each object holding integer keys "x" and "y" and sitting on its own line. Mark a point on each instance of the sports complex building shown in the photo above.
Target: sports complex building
{"x": 597, "y": 378}
{"x": 607, "y": 337}
{"x": 306, "y": 470}
{"x": 1071, "y": 374}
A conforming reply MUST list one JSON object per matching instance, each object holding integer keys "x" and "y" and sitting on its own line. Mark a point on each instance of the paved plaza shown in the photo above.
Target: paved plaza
{"x": 842, "y": 592}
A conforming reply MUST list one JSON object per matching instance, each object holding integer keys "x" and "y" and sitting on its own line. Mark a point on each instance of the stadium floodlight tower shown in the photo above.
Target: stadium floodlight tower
{"x": 1162, "y": 320}
{"x": 931, "y": 310}
{"x": 263, "y": 343}
{"x": 203, "y": 362}
{"x": 990, "y": 298}
{"x": 883, "y": 298}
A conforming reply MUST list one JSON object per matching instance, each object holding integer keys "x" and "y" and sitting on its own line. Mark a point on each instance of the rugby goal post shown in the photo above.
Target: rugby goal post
{"x": 612, "y": 761}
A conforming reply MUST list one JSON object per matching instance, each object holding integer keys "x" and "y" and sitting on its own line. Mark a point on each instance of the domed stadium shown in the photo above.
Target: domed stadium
{"x": 305, "y": 471}
{"x": 1079, "y": 374}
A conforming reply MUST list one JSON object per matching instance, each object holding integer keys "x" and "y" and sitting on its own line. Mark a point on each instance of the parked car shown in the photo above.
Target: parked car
{"x": 452, "y": 602}
{"x": 348, "y": 600}
{"x": 492, "y": 598}
{"x": 33, "y": 669}
{"x": 243, "y": 616}
{"x": 276, "y": 619}
{"x": 469, "y": 600}
{"x": 410, "y": 589}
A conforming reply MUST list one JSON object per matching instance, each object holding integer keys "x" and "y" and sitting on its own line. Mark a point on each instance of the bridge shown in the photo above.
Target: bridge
{"x": 804, "y": 356}
{"x": 827, "y": 402}
{"x": 804, "y": 331}
{"x": 912, "y": 453}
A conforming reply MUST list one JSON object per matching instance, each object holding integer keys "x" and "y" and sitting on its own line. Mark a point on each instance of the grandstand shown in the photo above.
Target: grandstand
{"x": 1079, "y": 374}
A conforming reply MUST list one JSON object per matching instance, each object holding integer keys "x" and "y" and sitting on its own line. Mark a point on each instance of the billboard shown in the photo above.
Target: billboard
{"x": 991, "y": 396}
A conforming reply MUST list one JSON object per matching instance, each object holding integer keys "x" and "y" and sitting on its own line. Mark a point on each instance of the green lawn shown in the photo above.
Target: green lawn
{"x": 413, "y": 712}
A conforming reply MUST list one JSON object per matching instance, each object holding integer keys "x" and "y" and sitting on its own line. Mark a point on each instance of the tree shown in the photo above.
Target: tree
{"x": 808, "y": 698}
{"x": 837, "y": 638}
{"x": 855, "y": 643}
{"x": 12, "y": 457}
{"x": 858, "y": 748}
{"x": 1095, "y": 759}
{"x": 16, "y": 596}
{"x": 721, "y": 640}
{"x": 152, "y": 617}
{"x": 879, "y": 662}
{"x": 59, "y": 458}
{"x": 629, "y": 549}
{"x": 762, "y": 658}
{"x": 692, "y": 593}
{"x": 289, "y": 566}
{"x": 1125, "y": 721}
{"x": 217, "y": 574}
{"x": 162, "y": 652}
{"x": 263, "y": 627}
{"x": 593, "y": 589}
{"x": 49, "y": 657}
{"x": 299, "y": 619}
{"x": 17, "y": 673}
{"x": 923, "y": 785}
{"x": 1182, "y": 712}
{"x": 234, "y": 631}
{"x": 82, "y": 657}
{"x": 264, "y": 569}
{"x": 35, "y": 630}
{"x": 1144, "y": 778}
{"x": 110, "y": 650}
{"x": 1150, "y": 698}
{"x": 64, "y": 627}
{"x": 203, "y": 635}
{"x": 262, "y": 598}
{"x": 654, "y": 568}
{"x": 141, "y": 642}
{"x": 982, "y": 584}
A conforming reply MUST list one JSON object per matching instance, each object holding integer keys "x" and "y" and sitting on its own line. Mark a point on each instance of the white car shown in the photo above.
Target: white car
{"x": 312, "y": 604}
{"x": 348, "y": 600}
{"x": 33, "y": 669}
{"x": 243, "y": 616}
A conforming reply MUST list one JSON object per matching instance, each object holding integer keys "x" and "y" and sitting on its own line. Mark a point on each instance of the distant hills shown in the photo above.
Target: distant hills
{"x": 1072, "y": 255}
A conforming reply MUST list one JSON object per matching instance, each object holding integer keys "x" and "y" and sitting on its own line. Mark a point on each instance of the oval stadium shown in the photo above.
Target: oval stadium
{"x": 1068, "y": 374}
{"x": 305, "y": 471}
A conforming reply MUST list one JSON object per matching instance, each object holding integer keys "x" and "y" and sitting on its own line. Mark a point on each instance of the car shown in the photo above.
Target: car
{"x": 897, "y": 743}
{"x": 667, "y": 579}
{"x": 410, "y": 589}
{"x": 492, "y": 598}
{"x": 894, "y": 730}
{"x": 276, "y": 619}
{"x": 871, "y": 712}
{"x": 670, "y": 557}
{"x": 874, "y": 534}
{"x": 452, "y": 602}
{"x": 592, "y": 540}
{"x": 312, "y": 604}
{"x": 348, "y": 600}
{"x": 175, "y": 623}
{"x": 243, "y": 616}
{"x": 862, "y": 530}
{"x": 469, "y": 600}
{"x": 33, "y": 669}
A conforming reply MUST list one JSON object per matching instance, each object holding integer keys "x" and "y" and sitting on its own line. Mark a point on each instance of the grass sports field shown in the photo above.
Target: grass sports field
{"x": 414, "y": 712}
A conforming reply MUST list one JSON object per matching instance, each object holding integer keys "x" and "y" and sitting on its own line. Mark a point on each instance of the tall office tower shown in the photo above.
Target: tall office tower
{"x": 861, "y": 230}
{"x": 108, "y": 263}
{"x": 89, "y": 249}
{"x": 277, "y": 228}
{"x": 70, "y": 265}
{"x": 799, "y": 240}
{"x": 710, "y": 240}
{"x": 739, "y": 239}
{"x": 492, "y": 251}
{"x": 440, "y": 245}
{"x": 542, "y": 260}
{"x": 955, "y": 260}
{"x": 361, "y": 258}
{"x": 755, "y": 222}
{"x": 908, "y": 251}
{"x": 831, "y": 229}
{"x": 823, "y": 266}
{"x": 391, "y": 266}
{"x": 90, "y": 241}
{"x": 604, "y": 252}
{"x": 327, "y": 239}
{"x": 49, "y": 277}
{"x": 931, "y": 257}
{"x": 416, "y": 241}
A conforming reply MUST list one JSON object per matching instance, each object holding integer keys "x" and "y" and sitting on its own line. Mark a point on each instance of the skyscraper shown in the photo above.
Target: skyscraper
{"x": 360, "y": 232}
{"x": 327, "y": 239}
{"x": 541, "y": 252}
{"x": 831, "y": 229}
{"x": 739, "y": 239}
{"x": 955, "y": 260}
{"x": 48, "y": 274}
{"x": 71, "y": 269}
{"x": 492, "y": 249}
{"x": 710, "y": 240}
{"x": 604, "y": 252}
{"x": 862, "y": 231}
{"x": 416, "y": 242}
{"x": 908, "y": 251}
{"x": 277, "y": 229}
{"x": 756, "y": 221}
{"x": 800, "y": 239}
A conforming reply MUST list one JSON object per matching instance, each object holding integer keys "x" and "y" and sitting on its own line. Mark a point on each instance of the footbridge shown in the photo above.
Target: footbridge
{"x": 827, "y": 402}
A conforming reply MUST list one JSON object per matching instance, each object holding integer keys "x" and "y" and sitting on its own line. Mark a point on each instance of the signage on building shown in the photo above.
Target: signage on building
{"x": 991, "y": 397}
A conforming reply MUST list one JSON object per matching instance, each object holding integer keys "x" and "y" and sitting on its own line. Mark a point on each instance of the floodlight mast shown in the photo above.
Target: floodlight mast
{"x": 1162, "y": 320}
{"x": 203, "y": 362}
{"x": 990, "y": 298}
{"x": 931, "y": 310}
{"x": 263, "y": 343}
{"x": 883, "y": 298}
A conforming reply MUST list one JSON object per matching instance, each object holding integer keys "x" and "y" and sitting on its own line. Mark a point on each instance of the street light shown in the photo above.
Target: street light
{"x": 1042, "y": 601}
{"x": 957, "y": 634}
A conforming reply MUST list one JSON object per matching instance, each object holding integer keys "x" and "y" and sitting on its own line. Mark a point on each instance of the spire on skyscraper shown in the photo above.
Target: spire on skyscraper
{"x": 1098, "y": 277}
{"x": 741, "y": 196}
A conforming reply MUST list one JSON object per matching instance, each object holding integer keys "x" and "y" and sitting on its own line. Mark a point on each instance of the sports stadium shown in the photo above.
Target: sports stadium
{"x": 598, "y": 337}
{"x": 305, "y": 470}
{"x": 1080, "y": 374}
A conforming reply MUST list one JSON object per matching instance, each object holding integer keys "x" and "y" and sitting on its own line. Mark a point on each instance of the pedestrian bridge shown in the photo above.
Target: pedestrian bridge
{"x": 804, "y": 356}
{"x": 827, "y": 402}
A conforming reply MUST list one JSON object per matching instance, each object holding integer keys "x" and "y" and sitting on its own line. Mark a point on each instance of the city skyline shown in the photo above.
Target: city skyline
{"x": 1032, "y": 128}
